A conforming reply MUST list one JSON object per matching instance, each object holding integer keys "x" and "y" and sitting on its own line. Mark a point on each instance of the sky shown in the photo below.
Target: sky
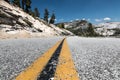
{"x": 95, "y": 11}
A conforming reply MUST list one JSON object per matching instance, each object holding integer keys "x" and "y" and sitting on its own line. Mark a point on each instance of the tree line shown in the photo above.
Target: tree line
{"x": 26, "y": 6}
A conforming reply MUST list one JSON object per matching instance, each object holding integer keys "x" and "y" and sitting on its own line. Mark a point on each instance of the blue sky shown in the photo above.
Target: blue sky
{"x": 94, "y": 11}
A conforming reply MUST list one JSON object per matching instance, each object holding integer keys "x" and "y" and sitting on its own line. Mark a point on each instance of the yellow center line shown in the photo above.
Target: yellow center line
{"x": 65, "y": 68}
{"x": 32, "y": 72}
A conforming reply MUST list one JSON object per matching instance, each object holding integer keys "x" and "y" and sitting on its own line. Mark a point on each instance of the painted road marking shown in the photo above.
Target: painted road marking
{"x": 33, "y": 71}
{"x": 65, "y": 68}
{"x": 49, "y": 70}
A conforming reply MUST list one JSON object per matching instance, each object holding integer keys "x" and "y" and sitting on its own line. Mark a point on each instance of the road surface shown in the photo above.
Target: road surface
{"x": 91, "y": 58}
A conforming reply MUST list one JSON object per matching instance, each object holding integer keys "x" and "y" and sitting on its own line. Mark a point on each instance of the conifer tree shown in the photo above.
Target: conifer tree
{"x": 37, "y": 14}
{"x": 46, "y": 14}
{"x": 32, "y": 13}
{"x": 16, "y": 2}
{"x": 52, "y": 19}
{"x": 28, "y": 5}
{"x": 90, "y": 30}
{"x": 23, "y": 4}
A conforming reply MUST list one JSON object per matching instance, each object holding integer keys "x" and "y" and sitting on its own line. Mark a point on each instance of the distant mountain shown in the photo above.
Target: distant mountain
{"x": 79, "y": 27}
{"x": 14, "y": 22}
{"x": 108, "y": 28}
{"x": 76, "y": 24}
{"x": 109, "y": 25}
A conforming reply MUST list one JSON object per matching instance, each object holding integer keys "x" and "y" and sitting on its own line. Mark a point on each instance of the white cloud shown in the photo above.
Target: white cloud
{"x": 76, "y": 19}
{"x": 83, "y": 19}
{"x": 103, "y": 19}
{"x": 98, "y": 20}
{"x": 107, "y": 19}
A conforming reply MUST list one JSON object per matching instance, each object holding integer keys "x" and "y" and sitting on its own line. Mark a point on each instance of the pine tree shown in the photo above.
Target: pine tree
{"x": 90, "y": 30}
{"x": 23, "y": 4}
{"x": 52, "y": 19}
{"x": 62, "y": 25}
{"x": 46, "y": 14}
{"x": 37, "y": 14}
{"x": 28, "y": 5}
{"x": 32, "y": 13}
{"x": 16, "y": 2}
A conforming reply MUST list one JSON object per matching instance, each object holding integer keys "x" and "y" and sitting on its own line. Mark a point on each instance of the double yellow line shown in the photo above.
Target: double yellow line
{"x": 65, "y": 68}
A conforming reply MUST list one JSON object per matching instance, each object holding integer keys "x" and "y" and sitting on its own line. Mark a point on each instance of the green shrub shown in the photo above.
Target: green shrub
{"x": 61, "y": 25}
{"x": 117, "y": 32}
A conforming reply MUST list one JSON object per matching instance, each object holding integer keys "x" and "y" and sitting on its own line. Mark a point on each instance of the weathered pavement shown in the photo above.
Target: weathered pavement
{"x": 55, "y": 64}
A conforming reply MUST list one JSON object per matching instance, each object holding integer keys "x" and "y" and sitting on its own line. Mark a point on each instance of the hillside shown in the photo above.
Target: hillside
{"x": 109, "y": 25}
{"x": 76, "y": 24}
{"x": 79, "y": 27}
{"x": 108, "y": 28}
{"x": 14, "y": 22}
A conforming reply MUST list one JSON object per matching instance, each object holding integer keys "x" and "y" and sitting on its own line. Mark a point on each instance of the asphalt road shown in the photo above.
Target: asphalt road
{"x": 17, "y": 54}
{"x": 94, "y": 58}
